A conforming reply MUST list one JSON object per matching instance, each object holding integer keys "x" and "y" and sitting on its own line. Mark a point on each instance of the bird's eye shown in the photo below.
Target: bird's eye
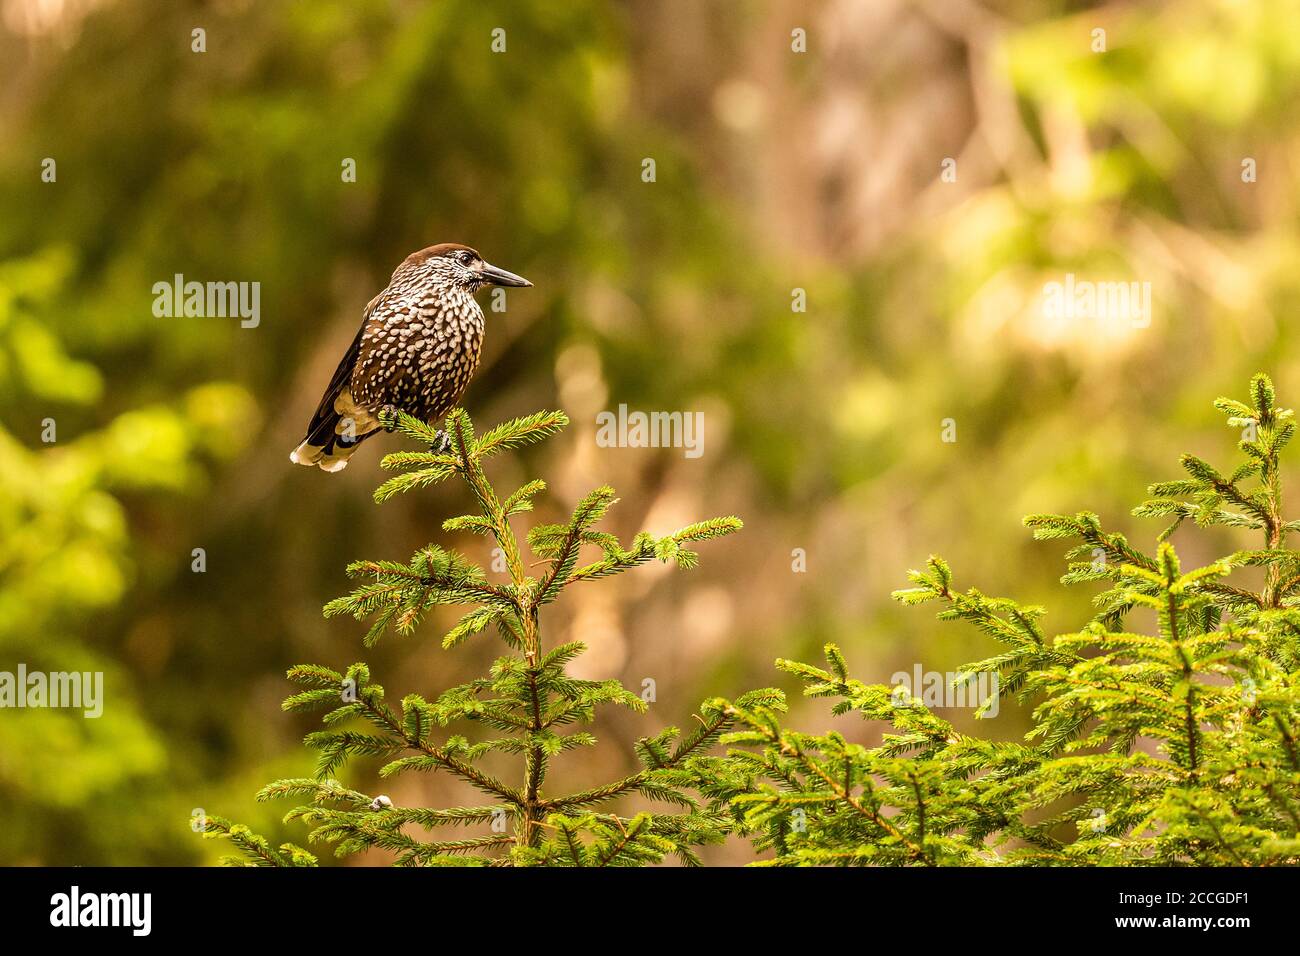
{"x": 466, "y": 258}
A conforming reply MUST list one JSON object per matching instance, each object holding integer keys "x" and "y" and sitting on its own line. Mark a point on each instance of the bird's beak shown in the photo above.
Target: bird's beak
{"x": 495, "y": 276}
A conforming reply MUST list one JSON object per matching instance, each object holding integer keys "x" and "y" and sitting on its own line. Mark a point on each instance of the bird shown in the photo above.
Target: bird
{"x": 416, "y": 351}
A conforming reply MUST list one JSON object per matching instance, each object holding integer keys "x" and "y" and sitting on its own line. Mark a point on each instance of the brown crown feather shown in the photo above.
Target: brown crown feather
{"x": 441, "y": 249}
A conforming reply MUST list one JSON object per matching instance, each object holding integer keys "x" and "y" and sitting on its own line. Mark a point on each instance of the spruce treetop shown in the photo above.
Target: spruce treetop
{"x": 525, "y": 707}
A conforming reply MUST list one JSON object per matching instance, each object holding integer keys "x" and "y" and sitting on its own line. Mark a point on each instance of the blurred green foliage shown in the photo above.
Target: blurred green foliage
{"x": 65, "y": 561}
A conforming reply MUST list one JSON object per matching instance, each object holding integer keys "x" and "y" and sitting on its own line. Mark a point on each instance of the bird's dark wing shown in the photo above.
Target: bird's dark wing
{"x": 387, "y": 372}
{"x": 325, "y": 417}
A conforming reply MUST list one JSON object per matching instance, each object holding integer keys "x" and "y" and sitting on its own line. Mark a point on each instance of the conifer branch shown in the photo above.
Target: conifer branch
{"x": 1214, "y": 693}
{"x": 525, "y": 698}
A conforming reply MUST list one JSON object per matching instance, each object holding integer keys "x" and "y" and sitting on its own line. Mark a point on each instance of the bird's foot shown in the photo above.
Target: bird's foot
{"x": 442, "y": 445}
{"x": 388, "y": 413}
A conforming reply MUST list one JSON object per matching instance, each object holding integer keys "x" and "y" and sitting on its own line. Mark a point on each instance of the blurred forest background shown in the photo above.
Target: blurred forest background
{"x": 776, "y": 170}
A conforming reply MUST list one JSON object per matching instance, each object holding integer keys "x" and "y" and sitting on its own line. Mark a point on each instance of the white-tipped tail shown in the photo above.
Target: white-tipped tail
{"x": 307, "y": 454}
{"x": 336, "y": 460}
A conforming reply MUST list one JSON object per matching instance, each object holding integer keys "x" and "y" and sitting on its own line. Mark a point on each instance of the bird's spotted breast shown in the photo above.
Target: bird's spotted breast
{"x": 419, "y": 352}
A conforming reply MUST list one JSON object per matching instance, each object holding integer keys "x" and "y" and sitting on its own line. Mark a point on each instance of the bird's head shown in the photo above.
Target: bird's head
{"x": 461, "y": 267}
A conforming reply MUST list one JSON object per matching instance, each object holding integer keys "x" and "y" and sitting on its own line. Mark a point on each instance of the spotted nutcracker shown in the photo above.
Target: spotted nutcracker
{"x": 416, "y": 351}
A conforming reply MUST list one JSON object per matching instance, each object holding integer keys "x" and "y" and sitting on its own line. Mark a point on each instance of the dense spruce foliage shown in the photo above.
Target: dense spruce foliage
{"x": 1173, "y": 744}
{"x": 1164, "y": 729}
